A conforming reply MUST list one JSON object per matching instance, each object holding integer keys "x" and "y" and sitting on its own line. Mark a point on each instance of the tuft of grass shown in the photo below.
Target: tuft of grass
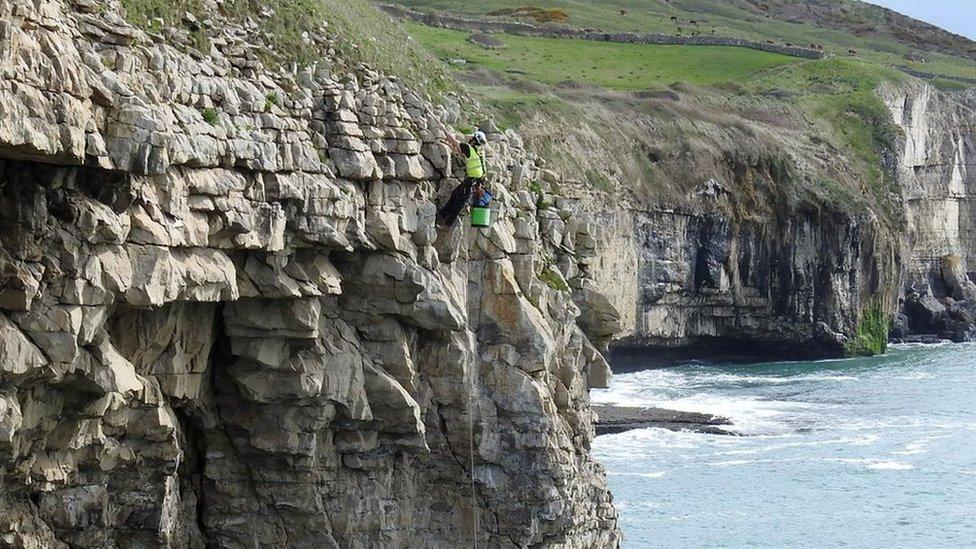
{"x": 200, "y": 40}
{"x": 872, "y": 333}
{"x": 599, "y": 179}
{"x": 270, "y": 101}
{"x": 209, "y": 115}
{"x": 553, "y": 280}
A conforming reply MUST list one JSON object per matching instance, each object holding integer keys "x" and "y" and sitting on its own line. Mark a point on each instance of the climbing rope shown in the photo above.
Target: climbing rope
{"x": 470, "y": 411}
{"x": 474, "y": 494}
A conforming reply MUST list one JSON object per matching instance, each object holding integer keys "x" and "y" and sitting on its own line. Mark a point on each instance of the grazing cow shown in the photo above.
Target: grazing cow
{"x": 623, "y": 12}
{"x": 674, "y": 17}
{"x": 852, "y": 51}
{"x": 770, "y": 42}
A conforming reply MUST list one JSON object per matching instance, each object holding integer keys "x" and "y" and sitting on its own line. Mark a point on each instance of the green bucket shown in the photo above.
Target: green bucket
{"x": 480, "y": 216}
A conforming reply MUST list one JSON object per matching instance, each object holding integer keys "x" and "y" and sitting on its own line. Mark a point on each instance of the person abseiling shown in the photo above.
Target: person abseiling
{"x": 473, "y": 189}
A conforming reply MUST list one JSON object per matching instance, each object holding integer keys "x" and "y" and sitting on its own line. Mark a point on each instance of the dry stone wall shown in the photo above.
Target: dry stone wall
{"x": 228, "y": 317}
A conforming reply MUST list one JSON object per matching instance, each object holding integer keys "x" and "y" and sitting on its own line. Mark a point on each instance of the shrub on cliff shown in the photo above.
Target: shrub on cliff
{"x": 540, "y": 15}
{"x": 553, "y": 279}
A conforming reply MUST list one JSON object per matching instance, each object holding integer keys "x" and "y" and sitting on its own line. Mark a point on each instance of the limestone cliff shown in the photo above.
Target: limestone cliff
{"x": 737, "y": 265}
{"x": 934, "y": 171}
{"x": 729, "y": 240}
{"x": 227, "y": 316}
{"x": 791, "y": 285}
{"x": 935, "y": 162}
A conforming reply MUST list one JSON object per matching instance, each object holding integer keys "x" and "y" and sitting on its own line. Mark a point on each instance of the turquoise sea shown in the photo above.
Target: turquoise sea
{"x": 863, "y": 453}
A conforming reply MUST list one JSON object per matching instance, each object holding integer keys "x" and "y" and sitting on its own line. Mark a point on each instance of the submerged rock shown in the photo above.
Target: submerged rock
{"x": 619, "y": 419}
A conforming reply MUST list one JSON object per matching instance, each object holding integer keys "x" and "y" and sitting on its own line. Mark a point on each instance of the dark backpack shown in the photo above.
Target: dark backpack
{"x": 481, "y": 197}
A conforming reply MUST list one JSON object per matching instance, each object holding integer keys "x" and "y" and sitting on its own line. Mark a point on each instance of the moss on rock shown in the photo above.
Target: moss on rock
{"x": 872, "y": 333}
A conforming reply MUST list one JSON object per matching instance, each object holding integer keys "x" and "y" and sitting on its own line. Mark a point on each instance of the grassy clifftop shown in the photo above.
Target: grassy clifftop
{"x": 360, "y": 32}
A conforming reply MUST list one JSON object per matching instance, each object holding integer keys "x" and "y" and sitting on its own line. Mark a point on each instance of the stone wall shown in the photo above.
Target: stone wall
{"x": 228, "y": 317}
{"x": 932, "y": 76}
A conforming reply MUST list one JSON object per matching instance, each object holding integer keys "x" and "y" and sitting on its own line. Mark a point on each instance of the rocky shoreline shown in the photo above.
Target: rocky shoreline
{"x": 618, "y": 419}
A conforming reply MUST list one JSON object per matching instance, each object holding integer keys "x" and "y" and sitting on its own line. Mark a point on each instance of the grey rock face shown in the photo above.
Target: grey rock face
{"x": 250, "y": 332}
{"x": 934, "y": 170}
{"x": 706, "y": 280}
{"x": 925, "y": 314}
{"x": 796, "y": 282}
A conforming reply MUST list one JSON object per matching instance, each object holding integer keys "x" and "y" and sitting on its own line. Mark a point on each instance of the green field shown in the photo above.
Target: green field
{"x": 654, "y": 16}
{"x": 615, "y": 66}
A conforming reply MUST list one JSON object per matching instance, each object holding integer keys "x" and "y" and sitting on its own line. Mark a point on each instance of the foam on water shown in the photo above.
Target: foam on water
{"x": 891, "y": 466}
{"x": 859, "y": 453}
{"x": 750, "y": 415}
{"x": 653, "y": 474}
{"x": 916, "y": 447}
{"x": 876, "y": 464}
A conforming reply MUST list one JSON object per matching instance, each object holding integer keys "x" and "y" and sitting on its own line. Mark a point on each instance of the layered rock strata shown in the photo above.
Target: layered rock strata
{"x": 706, "y": 281}
{"x": 227, "y": 316}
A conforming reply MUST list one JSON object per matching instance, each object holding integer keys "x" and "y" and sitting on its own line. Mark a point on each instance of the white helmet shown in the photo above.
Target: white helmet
{"x": 479, "y": 137}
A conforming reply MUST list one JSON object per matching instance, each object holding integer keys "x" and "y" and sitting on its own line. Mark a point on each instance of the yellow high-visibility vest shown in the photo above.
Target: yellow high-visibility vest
{"x": 474, "y": 164}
